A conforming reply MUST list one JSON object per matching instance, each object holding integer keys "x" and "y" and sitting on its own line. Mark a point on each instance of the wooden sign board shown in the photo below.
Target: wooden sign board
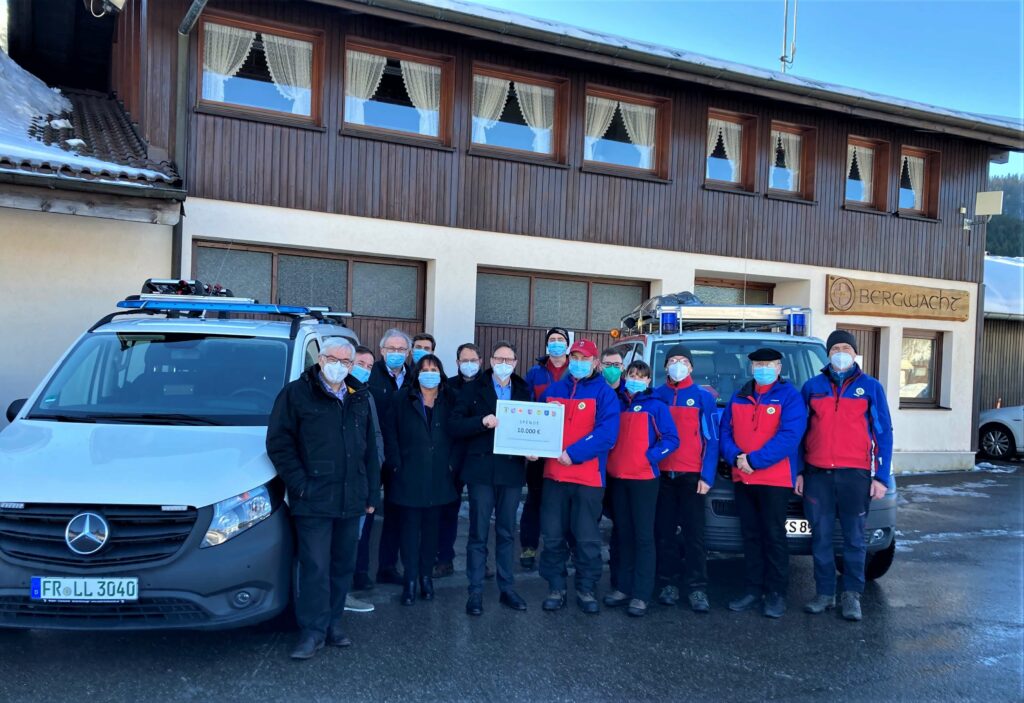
{"x": 854, "y": 296}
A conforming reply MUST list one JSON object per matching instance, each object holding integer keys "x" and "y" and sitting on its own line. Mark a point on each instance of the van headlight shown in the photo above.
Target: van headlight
{"x": 234, "y": 516}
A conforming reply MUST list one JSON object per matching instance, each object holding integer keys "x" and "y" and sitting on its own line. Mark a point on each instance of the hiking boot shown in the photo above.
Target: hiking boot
{"x": 443, "y": 568}
{"x": 637, "y": 608}
{"x": 774, "y": 605}
{"x": 554, "y": 601}
{"x": 747, "y": 602}
{"x": 820, "y": 604}
{"x": 699, "y": 602}
{"x": 354, "y": 605}
{"x": 587, "y": 602}
{"x": 669, "y": 595}
{"x": 851, "y": 605}
{"x": 615, "y": 599}
{"x": 528, "y": 559}
{"x": 307, "y": 646}
{"x": 337, "y": 638}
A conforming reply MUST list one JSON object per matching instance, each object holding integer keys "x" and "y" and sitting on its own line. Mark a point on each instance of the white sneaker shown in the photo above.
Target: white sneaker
{"x": 354, "y": 605}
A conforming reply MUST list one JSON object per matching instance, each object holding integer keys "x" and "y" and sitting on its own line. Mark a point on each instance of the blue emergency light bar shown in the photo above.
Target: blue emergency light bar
{"x": 212, "y": 305}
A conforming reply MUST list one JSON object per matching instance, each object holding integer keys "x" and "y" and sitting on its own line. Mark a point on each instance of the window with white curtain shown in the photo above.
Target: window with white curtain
{"x": 860, "y": 173}
{"x": 786, "y": 154}
{"x": 621, "y": 132}
{"x": 725, "y": 149}
{"x": 511, "y": 113}
{"x": 395, "y": 93}
{"x": 248, "y": 67}
{"x": 913, "y": 181}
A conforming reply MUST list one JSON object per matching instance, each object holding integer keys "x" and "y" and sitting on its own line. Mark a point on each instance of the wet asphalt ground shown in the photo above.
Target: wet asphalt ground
{"x": 946, "y": 623}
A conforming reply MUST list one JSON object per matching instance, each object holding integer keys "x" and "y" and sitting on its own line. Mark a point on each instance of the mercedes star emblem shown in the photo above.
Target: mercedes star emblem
{"x": 86, "y": 533}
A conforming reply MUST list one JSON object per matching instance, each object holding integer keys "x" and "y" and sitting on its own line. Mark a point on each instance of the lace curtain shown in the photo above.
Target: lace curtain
{"x": 489, "y": 98}
{"x": 225, "y": 49}
{"x": 915, "y": 168}
{"x": 791, "y": 146}
{"x": 600, "y": 113}
{"x": 291, "y": 68}
{"x": 537, "y": 103}
{"x": 362, "y": 78}
{"x": 865, "y": 158}
{"x": 423, "y": 85}
{"x": 640, "y": 123}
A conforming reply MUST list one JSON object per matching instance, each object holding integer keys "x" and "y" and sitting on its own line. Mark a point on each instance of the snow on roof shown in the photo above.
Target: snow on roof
{"x": 1004, "y": 286}
{"x": 790, "y": 83}
{"x": 25, "y": 113}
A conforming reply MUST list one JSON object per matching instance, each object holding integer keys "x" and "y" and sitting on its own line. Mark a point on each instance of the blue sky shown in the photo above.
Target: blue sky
{"x": 963, "y": 55}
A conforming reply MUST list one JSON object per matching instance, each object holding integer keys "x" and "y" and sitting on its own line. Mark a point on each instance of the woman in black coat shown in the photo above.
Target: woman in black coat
{"x": 419, "y": 454}
{"x": 495, "y": 480}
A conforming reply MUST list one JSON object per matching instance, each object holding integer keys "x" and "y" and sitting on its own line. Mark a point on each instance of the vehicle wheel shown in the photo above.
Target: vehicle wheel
{"x": 876, "y": 565}
{"x": 996, "y": 442}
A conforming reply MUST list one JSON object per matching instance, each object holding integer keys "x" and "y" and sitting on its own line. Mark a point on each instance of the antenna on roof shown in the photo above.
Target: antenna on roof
{"x": 788, "y": 56}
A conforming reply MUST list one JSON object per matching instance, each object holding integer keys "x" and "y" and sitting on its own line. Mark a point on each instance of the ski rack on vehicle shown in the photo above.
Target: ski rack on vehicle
{"x": 667, "y": 315}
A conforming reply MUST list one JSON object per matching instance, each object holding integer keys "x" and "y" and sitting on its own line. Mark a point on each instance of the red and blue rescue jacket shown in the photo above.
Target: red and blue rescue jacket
{"x": 766, "y": 423}
{"x": 693, "y": 412}
{"x": 590, "y": 430}
{"x": 543, "y": 374}
{"x": 848, "y": 423}
{"x": 647, "y": 437}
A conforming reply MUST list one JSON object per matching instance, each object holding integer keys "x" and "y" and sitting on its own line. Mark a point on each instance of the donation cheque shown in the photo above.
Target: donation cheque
{"x": 529, "y": 429}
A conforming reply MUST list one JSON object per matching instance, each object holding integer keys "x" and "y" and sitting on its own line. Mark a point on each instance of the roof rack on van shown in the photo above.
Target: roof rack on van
{"x": 683, "y": 312}
{"x": 196, "y": 299}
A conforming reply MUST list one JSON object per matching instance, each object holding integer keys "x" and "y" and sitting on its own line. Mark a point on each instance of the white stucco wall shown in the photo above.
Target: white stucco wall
{"x": 925, "y": 439}
{"x": 58, "y": 275}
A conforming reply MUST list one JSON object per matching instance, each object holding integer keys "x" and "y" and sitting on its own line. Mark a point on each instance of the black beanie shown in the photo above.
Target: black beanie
{"x": 840, "y": 337}
{"x": 557, "y": 330}
{"x": 678, "y": 350}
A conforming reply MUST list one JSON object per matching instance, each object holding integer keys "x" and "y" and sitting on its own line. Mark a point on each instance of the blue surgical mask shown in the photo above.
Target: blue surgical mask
{"x": 394, "y": 360}
{"x": 841, "y": 361}
{"x": 418, "y": 354}
{"x": 360, "y": 374}
{"x": 557, "y": 348}
{"x": 678, "y": 371}
{"x": 430, "y": 379}
{"x": 766, "y": 375}
{"x": 635, "y": 385}
{"x": 469, "y": 369}
{"x": 579, "y": 368}
{"x": 503, "y": 371}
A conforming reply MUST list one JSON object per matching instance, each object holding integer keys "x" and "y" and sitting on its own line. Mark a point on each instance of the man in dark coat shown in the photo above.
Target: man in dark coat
{"x": 495, "y": 480}
{"x": 322, "y": 441}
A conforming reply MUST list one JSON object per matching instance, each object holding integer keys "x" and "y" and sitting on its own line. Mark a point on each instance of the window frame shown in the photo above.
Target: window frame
{"x": 662, "y": 133}
{"x": 645, "y": 287}
{"x": 930, "y": 197}
{"x": 881, "y": 166}
{"x": 350, "y": 259}
{"x": 289, "y": 31}
{"x": 393, "y": 51}
{"x": 936, "y": 338}
{"x": 559, "y": 139}
{"x": 747, "y": 181}
{"x": 808, "y": 160}
{"x": 768, "y": 288}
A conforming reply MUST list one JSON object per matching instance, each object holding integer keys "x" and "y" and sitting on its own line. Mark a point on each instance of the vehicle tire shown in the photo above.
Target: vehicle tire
{"x": 996, "y": 442}
{"x": 877, "y": 564}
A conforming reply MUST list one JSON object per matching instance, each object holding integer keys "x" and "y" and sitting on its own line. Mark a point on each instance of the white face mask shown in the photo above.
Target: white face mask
{"x": 334, "y": 372}
{"x": 678, "y": 371}
{"x": 841, "y": 361}
{"x": 503, "y": 371}
{"x": 469, "y": 369}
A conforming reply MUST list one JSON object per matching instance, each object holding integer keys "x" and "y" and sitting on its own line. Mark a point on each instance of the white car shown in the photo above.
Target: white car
{"x": 135, "y": 487}
{"x": 1001, "y": 433}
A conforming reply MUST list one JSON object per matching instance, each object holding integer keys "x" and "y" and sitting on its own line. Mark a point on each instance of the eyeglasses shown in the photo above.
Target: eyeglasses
{"x": 347, "y": 363}
{"x": 503, "y": 360}
{"x": 616, "y": 364}
{"x": 396, "y": 350}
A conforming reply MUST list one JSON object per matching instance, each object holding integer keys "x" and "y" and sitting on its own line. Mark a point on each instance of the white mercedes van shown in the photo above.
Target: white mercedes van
{"x": 135, "y": 488}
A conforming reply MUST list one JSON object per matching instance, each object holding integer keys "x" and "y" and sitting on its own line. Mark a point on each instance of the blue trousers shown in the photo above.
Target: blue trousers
{"x": 846, "y": 494}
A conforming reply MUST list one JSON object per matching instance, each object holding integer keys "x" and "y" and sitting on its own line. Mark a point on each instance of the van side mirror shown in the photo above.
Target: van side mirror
{"x": 14, "y": 408}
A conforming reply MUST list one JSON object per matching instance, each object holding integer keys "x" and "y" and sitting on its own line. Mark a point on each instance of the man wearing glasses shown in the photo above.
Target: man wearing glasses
{"x": 322, "y": 442}
{"x": 495, "y": 480}
{"x": 389, "y": 374}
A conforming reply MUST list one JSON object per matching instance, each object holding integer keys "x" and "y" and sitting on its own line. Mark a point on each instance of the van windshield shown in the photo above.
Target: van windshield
{"x": 166, "y": 378}
{"x": 721, "y": 365}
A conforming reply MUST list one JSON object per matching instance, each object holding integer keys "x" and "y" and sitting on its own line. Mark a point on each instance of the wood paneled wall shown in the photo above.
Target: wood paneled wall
{"x": 1001, "y": 361}
{"x": 247, "y": 161}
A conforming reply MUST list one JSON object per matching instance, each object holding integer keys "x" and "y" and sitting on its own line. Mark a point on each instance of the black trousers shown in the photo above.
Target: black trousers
{"x": 387, "y": 550}
{"x": 363, "y": 551}
{"x": 419, "y": 527}
{"x": 762, "y": 511}
{"x": 449, "y": 527}
{"x": 327, "y": 557}
{"x": 679, "y": 505}
{"x": 529, "y": 522}
{"x": 571, "y": 507}
{"x": 608, "y": 508}
{"x": 634, "y": 503}
{"x": 502, "y": 502}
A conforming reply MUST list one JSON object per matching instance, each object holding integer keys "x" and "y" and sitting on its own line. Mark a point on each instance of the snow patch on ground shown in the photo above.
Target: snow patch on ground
{"x": 906, "y": 545}
{"x": 926, "y": 492}
{"x": 992, "y": 468}
{"x": 28, "y": 100}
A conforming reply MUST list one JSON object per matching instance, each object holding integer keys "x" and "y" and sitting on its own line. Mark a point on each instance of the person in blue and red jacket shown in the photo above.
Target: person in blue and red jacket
{"x": 686, "y": 477}
{"x": 550, "y": 367}
{"x": 647, "y": 436}
{"x": 574, "y": 482}
{"x": 847, "y": 464}
{"x": 761, "y": 430}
